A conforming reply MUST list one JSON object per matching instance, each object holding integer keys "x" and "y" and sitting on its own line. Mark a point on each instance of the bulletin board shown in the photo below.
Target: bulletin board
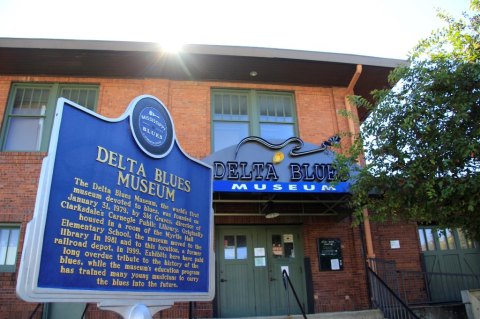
{"x": 329, "y": 254}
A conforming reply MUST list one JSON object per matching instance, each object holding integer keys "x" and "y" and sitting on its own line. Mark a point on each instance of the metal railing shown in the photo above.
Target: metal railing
{"x": 286, "y": 280}
{"x": 387, "y": 300}
{"x": 387, "y": 271}
{"x": 421, "y": 287}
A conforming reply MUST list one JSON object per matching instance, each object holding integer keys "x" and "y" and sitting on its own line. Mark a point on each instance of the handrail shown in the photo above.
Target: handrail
{"x": 387, "y": 300}
{"x": 286, "y": 279}
{"x": 85, "y": 311}
{"x": 35, "y": 310}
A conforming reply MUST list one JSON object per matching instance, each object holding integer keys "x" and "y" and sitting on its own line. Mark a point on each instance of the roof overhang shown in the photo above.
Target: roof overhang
{"x": 117, "y": 59}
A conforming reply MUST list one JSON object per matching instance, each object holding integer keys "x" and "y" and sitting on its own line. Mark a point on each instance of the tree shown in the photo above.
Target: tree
{"x": 421, "y": 141}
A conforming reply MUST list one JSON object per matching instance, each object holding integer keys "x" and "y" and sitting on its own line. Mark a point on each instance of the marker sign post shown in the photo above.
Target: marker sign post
{"x": 123, "y": 216}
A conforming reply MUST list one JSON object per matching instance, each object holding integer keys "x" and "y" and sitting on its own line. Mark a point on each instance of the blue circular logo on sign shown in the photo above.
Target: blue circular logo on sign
{"x": 152, "y": 126}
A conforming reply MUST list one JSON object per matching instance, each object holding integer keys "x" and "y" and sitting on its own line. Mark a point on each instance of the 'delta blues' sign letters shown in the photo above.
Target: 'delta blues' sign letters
{"x": 256, "y": 165}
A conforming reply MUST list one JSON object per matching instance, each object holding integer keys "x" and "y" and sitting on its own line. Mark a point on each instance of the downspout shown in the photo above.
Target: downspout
{"x": 354, "y": 130}
{"x": 348, "y": 105}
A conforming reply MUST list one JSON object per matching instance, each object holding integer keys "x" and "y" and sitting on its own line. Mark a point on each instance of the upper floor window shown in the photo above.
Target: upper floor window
{"x": 432, "y": 239}
{"x": 30, "y": 111}
{"x": 237, "y": 114}
{"x": 9, "y": 236}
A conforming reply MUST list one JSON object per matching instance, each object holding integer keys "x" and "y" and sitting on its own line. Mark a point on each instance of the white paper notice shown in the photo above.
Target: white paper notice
{"x": 335, "y": 264}
{"x": 394, "y": 244}
{"x": 288, "y": 238}
{"x": 260, "y": 262}
{"x": 259, "y": 251}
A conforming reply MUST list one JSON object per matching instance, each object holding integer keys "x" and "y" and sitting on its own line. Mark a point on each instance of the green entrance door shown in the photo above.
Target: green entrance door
{"x": 250, "y": 261}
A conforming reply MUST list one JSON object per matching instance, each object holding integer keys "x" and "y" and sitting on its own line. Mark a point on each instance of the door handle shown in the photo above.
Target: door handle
{"x": 272, "y": 279}
{"x": 223, "y": 280}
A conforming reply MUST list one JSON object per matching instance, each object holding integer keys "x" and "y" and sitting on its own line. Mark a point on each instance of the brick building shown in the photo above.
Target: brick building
{"x": 216, "y": 96}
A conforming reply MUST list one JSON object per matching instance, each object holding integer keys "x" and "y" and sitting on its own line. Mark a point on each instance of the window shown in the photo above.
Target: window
{"x": 9, "y": 236}
{"x": 465, "y": 242}
{"x": 432, "y": 239}
{"x": 30, "y": 111}
{"x": 237, "y": 114}
{"x": 235, "y": 247}
{"x": 282, "y": 246}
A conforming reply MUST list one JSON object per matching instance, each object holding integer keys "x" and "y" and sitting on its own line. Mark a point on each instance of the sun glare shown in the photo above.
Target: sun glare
{"x": 171, "y": 47}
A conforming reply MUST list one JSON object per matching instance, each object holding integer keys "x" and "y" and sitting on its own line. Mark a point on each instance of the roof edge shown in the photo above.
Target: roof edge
{"x": 258, "y": 52}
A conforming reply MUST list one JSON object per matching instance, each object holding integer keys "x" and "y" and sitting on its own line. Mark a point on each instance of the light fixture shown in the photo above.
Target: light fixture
{"x": 269, "y": 211}
{"x": 253, "y": 73}
{"x": 278, "y": 157}
{"x": 272, "y": 215}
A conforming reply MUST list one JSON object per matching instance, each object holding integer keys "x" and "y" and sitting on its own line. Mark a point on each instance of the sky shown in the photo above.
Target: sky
{"x": 380, "y": 28}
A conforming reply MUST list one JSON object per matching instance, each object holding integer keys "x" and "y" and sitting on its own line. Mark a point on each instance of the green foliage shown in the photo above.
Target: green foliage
{"x": 422, "y": 138}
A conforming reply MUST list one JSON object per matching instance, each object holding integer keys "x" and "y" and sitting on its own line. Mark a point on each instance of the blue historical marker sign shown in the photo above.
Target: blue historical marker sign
{"x": 122, "y": 212}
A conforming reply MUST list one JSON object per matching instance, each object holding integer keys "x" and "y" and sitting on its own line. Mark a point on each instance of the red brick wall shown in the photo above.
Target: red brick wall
{"x": 407, "y": 257}
{"x": 189, "y": 105}
{"x": 19, "y": 174}
{"x": 337, "y": 290}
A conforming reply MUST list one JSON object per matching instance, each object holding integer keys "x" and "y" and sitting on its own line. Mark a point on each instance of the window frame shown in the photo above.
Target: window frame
{"x": 437, "y": 238}
{"x": 253, "y": 110}
{"x": 11, "y": 268}
{"x": 55, "y": 90}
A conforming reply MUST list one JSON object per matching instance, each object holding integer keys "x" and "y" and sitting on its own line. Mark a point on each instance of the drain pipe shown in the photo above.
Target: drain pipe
{"x": 350, "y": 109}
{"x": 353, "y": 129}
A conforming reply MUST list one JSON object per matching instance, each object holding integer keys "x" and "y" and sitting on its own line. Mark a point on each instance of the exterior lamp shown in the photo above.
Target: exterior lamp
{"x": 269, "y": 211}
